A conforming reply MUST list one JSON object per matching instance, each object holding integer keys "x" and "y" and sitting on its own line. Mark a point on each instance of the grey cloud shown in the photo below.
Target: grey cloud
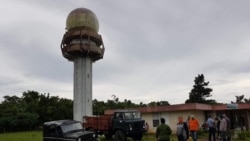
{"x": 153, "y": 49}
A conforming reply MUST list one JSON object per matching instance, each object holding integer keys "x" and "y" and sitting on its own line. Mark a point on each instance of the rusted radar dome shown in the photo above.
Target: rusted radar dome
{"x": 82, "y": 17}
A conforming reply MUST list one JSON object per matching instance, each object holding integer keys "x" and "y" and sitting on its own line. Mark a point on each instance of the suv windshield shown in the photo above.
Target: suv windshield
{"x": 71, "y": 127}
{"x": 132, "y": 115}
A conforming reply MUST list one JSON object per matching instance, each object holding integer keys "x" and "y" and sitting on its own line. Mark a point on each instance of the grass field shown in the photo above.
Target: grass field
{"x": 22, "y": 136}
{"x": 146, "y": 137}
{"x": 37, "y": 136}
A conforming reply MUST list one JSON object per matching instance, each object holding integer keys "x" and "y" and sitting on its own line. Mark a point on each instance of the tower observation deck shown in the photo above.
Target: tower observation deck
{"x": 82, "y": 38}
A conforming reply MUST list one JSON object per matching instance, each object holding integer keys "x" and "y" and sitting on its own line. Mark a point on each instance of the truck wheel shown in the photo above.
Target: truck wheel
{"x": 120, "y": 136}
{"x": 93, "y": 130}
{"x": 108, "y": 136}
{"x": 137, "y": 137}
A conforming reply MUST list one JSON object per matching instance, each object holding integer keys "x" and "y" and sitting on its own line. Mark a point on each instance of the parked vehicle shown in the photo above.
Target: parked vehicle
{"x": 122, "y": 124}
{"x": 70, "y": 130}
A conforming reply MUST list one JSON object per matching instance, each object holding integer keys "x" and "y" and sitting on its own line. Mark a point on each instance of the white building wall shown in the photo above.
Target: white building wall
{"x": 172, "y": 118}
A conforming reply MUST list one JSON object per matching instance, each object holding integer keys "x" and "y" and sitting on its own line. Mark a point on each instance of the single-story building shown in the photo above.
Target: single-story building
{"x": 239, "y": 114}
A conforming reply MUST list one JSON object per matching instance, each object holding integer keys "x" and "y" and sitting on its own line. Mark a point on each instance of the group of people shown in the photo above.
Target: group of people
{"x": 220, "y": 127}
{"x": 187, "y": 130}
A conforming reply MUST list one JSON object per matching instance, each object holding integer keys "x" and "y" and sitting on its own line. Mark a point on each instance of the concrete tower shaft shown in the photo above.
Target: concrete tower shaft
{"x": 82, "y": 45}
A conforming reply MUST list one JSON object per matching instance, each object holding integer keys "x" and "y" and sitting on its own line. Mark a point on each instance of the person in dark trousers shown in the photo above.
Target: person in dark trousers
{"x": 223, "y": 128}
{"x": 163, "y": 131}
{"x": 228, "y": 132}
{"x": 217, "y": 121}
{"x": 182, "y": 130}
{"x": 211, "y": 128}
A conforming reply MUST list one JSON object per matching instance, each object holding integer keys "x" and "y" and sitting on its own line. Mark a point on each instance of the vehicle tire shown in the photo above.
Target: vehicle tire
{"x": 137, "y": 137}
{"x": 108, "y": 135}
{"x": 120, "y": 136}
{"x": 93, "y": 130}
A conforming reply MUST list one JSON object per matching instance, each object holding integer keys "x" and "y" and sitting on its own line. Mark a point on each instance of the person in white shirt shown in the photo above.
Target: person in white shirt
{"x": 223, "y": 128}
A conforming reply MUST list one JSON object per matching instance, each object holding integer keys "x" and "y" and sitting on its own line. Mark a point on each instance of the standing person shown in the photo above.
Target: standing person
{"x": 242, "y": 122}
{"x": 163, "y": 131}
{"x": 182, "y": 130}
{"x": 211, "y": 128}
{"x": 193, "y": 127}
{"x": 223, "y": 127}
{"x": 217, "y": 121}
{"x": 188, "y": 121}
{"x": 228, "y": 131}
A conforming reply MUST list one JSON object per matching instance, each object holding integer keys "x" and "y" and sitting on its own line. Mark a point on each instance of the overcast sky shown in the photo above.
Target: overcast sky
{"x": 153, "y": 49}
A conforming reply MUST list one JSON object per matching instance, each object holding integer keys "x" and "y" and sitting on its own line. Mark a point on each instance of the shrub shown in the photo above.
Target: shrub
{"x": 201, "y": 132}
{"x": 242, "y": 135}
{"x": 248, "y": 133}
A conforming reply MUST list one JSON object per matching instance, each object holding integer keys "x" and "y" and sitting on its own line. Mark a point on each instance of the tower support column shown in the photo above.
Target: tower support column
{"x": 82, "y": 88}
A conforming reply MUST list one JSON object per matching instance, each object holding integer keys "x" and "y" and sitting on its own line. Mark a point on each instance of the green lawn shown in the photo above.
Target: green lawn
{"x": 146, "y": 137}
{"x": 22, "y": 136}
{"x": 37, "y": 136}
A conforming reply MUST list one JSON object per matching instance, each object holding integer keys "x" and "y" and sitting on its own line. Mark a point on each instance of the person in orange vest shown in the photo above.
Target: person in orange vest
{"x": 193, "y": 127}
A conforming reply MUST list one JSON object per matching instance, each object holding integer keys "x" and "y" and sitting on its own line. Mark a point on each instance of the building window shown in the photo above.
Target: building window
{"x": 156, "y": 120}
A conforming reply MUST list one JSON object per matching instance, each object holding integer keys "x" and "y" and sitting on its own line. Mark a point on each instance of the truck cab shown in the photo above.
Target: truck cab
{"x": 121, "y": 124}
{"x": 128, "y": 123}
{"x": 62, "y": 130}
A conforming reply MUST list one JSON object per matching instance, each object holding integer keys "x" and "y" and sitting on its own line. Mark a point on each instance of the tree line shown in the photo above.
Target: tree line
{"x": 32, "y": 109}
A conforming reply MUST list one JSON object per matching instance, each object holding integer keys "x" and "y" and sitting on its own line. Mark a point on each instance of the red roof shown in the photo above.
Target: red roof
{"x": 189, "y": 106}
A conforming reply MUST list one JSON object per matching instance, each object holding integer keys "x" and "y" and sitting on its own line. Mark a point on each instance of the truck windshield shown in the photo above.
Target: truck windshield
{"x": 71, "y": 127}
{"x": 132, "y": 115}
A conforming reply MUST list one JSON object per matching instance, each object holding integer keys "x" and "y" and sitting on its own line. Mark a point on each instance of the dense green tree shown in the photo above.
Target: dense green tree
{"x": 11, "y": 109}
{"x": 30, "y": 100}
{"x": 200, "y": 91}
{"x": 54, "y": 108}
{"x": 142, "y": 104}
{"x": 32, "y": 110}
{"x": 158, "y": 103}
{"x": 98, "y": 107}
{"x": 241, "y": 99}
{"x": 247, "y": 100}
{"x": 65, "y": 108}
